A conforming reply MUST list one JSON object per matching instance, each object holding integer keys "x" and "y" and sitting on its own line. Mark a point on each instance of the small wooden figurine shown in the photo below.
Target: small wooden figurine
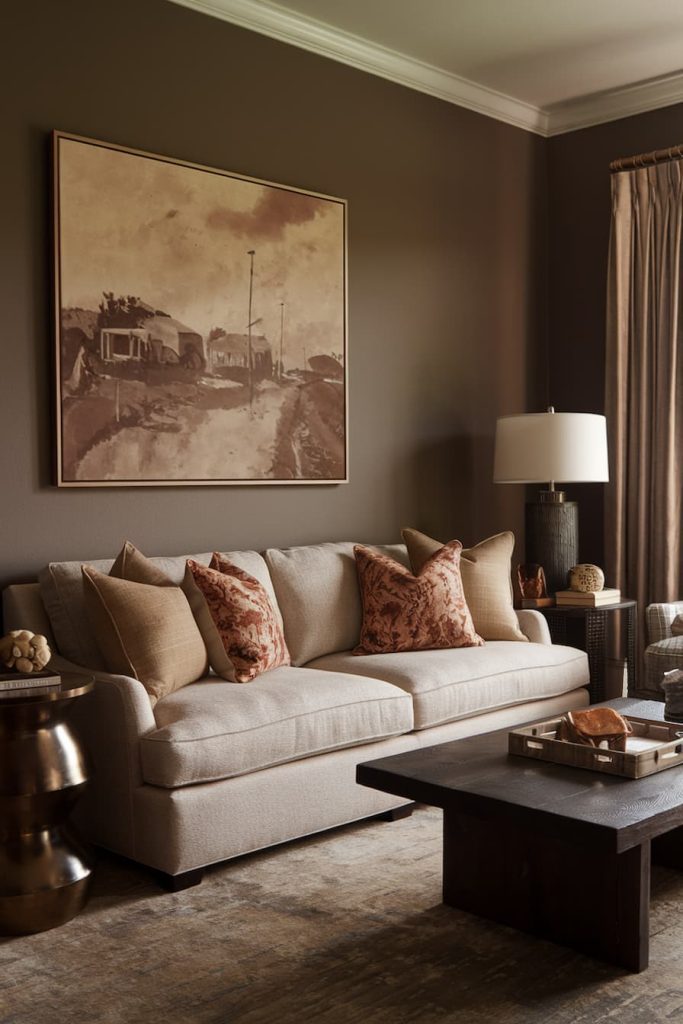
{"x": 531, "y": 579}
{"x": 595, "y": 727}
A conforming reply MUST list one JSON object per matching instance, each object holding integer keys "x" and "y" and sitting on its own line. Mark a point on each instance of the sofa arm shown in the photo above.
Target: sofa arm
{"x": 110, "y": 720}
{"x": 659, "y": 618}
{"x": 133, "y": 699}
{"x": 533, "y": 625}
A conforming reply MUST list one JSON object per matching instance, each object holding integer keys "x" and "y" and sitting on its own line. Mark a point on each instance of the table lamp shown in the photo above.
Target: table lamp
{"x": 550, "y": 447}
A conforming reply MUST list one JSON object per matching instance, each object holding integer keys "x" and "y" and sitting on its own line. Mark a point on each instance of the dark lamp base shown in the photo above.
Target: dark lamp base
{"x": 552, "y": 539}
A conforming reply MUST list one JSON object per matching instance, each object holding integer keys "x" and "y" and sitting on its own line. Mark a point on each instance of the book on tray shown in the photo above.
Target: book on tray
{"x": 594, "y": 599}
{"x": 19, "y": 681}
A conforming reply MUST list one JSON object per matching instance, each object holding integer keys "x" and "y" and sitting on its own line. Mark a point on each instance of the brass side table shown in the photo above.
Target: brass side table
{"x": 587, "y": 628}
{"x": 44, "y": 874}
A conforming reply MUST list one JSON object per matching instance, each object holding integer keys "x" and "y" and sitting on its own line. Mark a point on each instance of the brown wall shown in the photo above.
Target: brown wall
{"x": 446, "y": 273}
{"x": 579, "y": 220}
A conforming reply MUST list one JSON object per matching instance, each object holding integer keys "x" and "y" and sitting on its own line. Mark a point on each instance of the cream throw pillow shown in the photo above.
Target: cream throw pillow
{"x": 485, "y": 571}
{"x": 145, "y": 631}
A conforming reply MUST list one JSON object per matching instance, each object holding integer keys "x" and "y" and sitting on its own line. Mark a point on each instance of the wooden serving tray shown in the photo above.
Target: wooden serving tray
{"x": 652, "y": 747}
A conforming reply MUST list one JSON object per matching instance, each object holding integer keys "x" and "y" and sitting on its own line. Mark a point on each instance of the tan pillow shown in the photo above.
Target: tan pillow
{"x": 131, "y": 564}
{"x": 240, "y": 627}
{"x": 485, "y": 570}
{"x": 677, "y": 626}
{"x": 145, "y": 631}
{"x": 403, "y": 611}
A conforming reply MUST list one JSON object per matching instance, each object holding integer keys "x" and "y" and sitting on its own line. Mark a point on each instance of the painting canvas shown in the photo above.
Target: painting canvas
{"x": 200, "y": 324}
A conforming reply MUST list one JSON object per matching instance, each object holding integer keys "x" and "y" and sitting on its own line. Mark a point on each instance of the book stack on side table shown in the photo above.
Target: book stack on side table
{"x": 11, "y": 682}
{"x": 593, "y": 599}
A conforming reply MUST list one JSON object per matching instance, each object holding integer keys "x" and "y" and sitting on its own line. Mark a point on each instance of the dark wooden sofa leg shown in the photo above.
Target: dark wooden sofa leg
{"x": 396, "y": 813}
{"x": 185, "y": 880}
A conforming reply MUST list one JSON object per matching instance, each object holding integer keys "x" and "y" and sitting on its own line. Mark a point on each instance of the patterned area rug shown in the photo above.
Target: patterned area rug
{"x": 344, "y": 928}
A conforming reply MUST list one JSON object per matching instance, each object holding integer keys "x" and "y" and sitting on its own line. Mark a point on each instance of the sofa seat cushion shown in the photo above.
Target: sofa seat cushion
{"x": 452, "y": 684}
{"x": 215, "y": 730}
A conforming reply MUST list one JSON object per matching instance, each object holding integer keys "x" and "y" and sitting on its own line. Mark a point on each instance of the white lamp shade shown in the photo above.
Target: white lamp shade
{"x": 567, "y": 447}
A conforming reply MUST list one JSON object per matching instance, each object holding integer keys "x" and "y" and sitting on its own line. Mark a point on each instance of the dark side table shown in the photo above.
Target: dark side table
{"x": 44, "y": 874}
{"x": 588, "y": 629}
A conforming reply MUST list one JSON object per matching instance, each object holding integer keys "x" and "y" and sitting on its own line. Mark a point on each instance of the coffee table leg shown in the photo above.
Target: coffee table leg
{"x": 593, "y": 900}
{"x": 667, "y": 849}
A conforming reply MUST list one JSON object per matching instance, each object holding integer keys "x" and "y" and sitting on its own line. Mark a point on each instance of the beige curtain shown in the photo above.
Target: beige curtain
{"x": 644, "y": 398}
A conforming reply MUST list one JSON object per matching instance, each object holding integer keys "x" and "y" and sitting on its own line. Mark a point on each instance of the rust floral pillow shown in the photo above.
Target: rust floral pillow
{"x": 241, "y": 631}
{"x": 402, "y": 612}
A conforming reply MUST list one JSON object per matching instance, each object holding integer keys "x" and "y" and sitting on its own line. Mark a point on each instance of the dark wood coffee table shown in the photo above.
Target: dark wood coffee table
{"x": 556, "y": 851}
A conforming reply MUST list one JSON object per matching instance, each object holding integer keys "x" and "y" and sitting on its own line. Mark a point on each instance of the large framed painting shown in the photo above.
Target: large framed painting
{"x": 200, "y": 324}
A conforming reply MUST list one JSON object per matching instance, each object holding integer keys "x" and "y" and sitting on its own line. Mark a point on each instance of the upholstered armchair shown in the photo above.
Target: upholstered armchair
{"x": 664, "y": 651}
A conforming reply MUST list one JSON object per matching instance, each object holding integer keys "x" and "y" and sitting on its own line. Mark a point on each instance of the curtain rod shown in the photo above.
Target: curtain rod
{"x": 658, "y": 156}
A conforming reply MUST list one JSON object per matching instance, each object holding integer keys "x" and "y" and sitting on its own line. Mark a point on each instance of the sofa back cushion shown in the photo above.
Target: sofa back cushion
{"x": 319, "y": 597}
{"x": 61, "y": 589}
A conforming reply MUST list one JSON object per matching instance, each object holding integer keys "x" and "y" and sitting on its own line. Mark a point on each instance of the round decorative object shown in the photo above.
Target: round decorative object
{"x": 24, "y": 651}
{"x": 586, "y": 579}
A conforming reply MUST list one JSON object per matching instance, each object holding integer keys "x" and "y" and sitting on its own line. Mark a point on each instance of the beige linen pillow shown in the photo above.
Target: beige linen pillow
{"x": 145, "y": 631}
{"x": 236, "y": 618}
{"x": 485, "y": 571}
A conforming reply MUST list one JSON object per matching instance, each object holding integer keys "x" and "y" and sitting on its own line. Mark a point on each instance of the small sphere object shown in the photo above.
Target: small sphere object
{"x": 586, "y": 578}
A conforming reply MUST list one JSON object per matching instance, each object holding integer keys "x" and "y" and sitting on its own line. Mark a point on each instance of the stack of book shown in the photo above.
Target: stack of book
{"x": 12, "y": 681}
{"x": 593, "y": 599}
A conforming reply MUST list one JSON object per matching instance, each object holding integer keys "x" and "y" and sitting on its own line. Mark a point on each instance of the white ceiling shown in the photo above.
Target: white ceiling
{"x": 546, "y": 65}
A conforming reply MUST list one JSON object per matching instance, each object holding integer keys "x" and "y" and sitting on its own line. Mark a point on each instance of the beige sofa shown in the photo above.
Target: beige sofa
{"x": 218, "y": 769}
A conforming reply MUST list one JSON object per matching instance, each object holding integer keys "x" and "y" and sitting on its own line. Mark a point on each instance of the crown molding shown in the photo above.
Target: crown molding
{"x": 279, "y": 23}
{"x": 615, "y": 104}
{"x": 309, "y": 34}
